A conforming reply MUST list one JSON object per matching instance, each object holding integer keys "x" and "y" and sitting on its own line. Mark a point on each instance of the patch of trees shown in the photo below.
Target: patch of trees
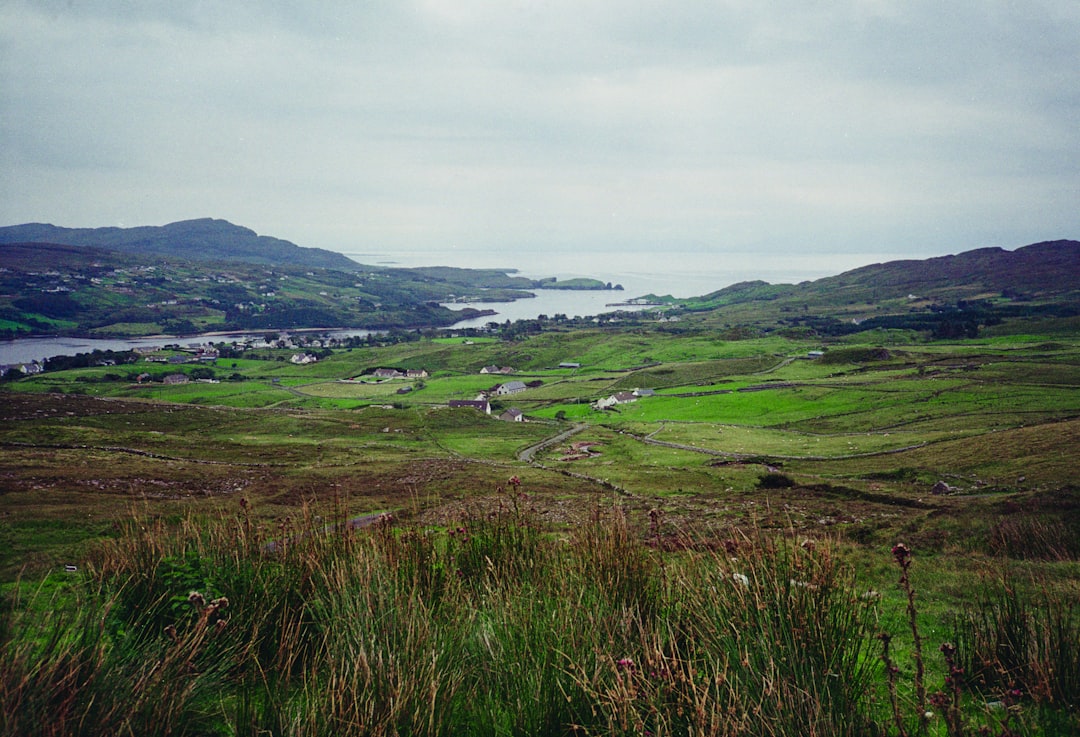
{"x": 58, "y": 306}
{"x": 229, "y": 294}
{"x": 86, "y": 360}
{"x": 855, "y": 355}
{"x": 180, "y": 327}
{"x": 962, "y": 320}
{"x": 126, "y": 314}
{"x": 286, "y": 317}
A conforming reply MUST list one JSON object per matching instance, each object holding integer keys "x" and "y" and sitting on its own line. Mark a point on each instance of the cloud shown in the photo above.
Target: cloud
{"x": 880, "y": 126}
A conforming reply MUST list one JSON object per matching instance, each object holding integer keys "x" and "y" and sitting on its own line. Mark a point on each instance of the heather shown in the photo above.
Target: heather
{"x": 497, "y": 625}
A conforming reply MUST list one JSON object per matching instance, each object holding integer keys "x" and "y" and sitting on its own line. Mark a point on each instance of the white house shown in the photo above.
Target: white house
{"x": 614, "y": 399}
{"x": 481, "y": 404}
{"x": 511, "y": 387}
{"x": 512, "y": 415}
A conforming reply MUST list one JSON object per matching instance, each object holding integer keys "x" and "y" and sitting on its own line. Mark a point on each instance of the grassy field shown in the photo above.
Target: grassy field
{"x": 964, "y": 451}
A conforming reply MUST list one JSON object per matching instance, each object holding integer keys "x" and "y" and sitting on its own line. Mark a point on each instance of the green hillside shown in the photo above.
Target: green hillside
{"x": 204, "y": 239}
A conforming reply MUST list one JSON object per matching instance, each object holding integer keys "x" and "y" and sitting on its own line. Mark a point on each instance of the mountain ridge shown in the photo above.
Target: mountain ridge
{"x": 200, "y": 239}
{"x": 1045, "y": 268}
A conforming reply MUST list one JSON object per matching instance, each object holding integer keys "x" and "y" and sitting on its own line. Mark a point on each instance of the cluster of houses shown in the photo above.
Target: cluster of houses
{"x": 621, "y": 398}
{"x": 505, "y": 389}
{"x": 27, "y": 369}
{"x": 201, "y": 354}
{"x": 389, "y": 373}
{"x": 481, "y": 404}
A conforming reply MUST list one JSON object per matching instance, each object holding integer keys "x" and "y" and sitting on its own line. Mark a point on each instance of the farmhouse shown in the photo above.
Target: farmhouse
{"x": 387, "y": 373}
{"x": 416, "y": 374}
{"x": 34, "y": 367}
{"x": 512, "y": 415}
{"x": 478, "y": 404}
{"x": 176, "y": 379}
{"x": 510, "y": 387}
{"x": 614, "y": 399}
{"x": 303, "y": 359}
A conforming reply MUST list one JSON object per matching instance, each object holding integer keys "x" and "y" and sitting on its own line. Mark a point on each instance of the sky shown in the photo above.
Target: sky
{"x": 785, "y": 139}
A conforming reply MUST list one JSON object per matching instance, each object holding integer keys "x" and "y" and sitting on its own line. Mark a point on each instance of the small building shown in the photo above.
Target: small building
{"x": 604, "y": 403}
{"x": 510, "y": 387}
{"x": 644, "y": 392}
{"x": 387, "y": 373}
{"x": 489, "y": 370}
{"x": 416, "y": 374}
{"x": 478, "y": 404}
{"x": 176, "y": 379}
{"x": 34, "y": 367}
{"x": 569, "y": 365}
{"x": 302, "y": 359}
{"x": 613, "y": 400}
{"x": 512, "y": 415}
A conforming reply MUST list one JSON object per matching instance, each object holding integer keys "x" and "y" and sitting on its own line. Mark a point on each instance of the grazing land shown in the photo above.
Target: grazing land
{"x": 702, "y": 527}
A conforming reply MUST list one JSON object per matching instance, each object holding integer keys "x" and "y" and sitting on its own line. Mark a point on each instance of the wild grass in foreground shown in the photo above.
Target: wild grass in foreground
{"x": 490, "y": 627}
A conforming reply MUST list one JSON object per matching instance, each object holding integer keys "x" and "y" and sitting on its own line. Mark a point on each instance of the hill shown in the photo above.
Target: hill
{"x": 1042, "y": 269}
{"x": 937, "y": 294}
{"x": 50, "y": 289}
{"x": 205, "y": 239}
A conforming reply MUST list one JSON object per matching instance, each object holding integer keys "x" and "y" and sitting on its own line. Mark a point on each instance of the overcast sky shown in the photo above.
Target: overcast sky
{"x": 795, "y": 130}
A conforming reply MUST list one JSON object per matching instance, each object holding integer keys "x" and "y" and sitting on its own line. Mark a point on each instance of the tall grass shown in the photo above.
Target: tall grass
{"x": 490, "y": 627}
{"x": 1016, "y": 645}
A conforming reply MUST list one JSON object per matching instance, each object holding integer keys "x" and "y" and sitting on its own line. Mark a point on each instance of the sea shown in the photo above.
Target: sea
{"x": 675, "y": 273}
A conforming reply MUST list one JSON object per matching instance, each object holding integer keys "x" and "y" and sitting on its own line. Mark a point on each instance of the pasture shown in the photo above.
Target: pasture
{"x": 964, "y": 451}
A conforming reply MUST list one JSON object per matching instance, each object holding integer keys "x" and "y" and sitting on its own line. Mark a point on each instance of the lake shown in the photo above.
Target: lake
{"x": 546, "y": 302}
{"x": 25, "y": 350}
{"x": 678, "y": 272}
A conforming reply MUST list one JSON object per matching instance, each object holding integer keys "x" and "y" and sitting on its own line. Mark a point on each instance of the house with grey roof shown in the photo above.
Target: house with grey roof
{"x": 512, "y": 415}
{"x": 478, "y": 404}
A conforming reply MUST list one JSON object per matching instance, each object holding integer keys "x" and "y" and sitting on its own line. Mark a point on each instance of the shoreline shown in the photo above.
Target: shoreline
{"x": 242, "y": 331}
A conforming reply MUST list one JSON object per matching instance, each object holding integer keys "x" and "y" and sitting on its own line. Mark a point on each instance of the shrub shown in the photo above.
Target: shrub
{"x": 774, "y": 480}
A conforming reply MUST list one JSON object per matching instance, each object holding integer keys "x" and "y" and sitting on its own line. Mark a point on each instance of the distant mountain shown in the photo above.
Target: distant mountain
{"x": 1050, "y": 267}
{"x": 205, "y": 239}
{"x": 946, "y": 296}
{"x": 1047, "y": 269}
